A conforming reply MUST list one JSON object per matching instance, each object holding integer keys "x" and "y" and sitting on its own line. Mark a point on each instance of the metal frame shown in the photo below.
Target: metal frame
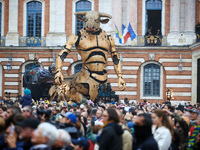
{"x": 150, "y": 71}
{"x": 34, "y": 29}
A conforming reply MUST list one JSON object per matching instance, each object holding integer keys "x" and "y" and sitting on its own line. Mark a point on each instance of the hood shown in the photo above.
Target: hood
{"x": 118, "y": 128}
{"x": 28, "y": 97}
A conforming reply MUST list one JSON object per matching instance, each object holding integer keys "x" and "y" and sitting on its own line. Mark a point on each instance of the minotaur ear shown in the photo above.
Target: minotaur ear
{"x": 104, "y": 21}
{"x": 80, "y": 18}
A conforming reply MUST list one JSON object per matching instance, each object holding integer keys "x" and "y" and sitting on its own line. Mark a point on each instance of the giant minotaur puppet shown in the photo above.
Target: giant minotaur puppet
{"x": 93, "y": 45}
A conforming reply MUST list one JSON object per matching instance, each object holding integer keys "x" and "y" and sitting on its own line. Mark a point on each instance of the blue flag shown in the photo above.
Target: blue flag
{"x": 130, "y": 30}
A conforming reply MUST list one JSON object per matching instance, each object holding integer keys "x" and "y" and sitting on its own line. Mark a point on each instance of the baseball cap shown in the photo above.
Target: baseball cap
{"x": 29, "y": 122}
{"x": 70, "y": 116}
{"x": 82, "y": 142}
{"x": 195, "y": 111}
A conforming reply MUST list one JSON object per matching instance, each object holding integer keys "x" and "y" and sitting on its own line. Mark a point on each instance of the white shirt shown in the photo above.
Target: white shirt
{"x": 163, "y": 137}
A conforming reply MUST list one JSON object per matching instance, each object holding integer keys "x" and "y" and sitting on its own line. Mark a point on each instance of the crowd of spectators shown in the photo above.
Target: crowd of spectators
{"x": 66, "y": 125}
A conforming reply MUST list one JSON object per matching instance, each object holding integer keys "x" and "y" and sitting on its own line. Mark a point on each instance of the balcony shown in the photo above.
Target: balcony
{"x": 2, "y": 41}
{"x": 32, "y": 41}
{"x": 152, "y": 40}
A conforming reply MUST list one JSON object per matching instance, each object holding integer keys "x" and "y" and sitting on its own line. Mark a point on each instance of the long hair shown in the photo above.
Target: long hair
{"x": 113, "y": 115}
{"x": 165, "y": 120}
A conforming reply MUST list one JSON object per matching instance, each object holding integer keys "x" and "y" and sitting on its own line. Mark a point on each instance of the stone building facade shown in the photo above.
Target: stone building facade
{"x": 149, "y": 70}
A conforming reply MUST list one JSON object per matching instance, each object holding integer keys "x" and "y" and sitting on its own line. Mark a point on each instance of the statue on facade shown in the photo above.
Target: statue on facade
{"x": 93, "y": 45}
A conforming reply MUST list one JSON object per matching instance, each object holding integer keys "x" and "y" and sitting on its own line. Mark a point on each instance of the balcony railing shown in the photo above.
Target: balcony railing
{"x": 152, "y": 40}
{"x": 2, "y": 40}
{"x": 32, "y": 41}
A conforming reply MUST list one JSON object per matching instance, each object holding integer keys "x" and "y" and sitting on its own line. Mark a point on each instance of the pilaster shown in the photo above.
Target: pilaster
{"x": 12, "y": 37}
{"x": 56, "y": 35}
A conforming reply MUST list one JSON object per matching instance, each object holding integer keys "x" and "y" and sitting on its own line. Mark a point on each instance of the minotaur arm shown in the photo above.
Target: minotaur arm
{"x": 62, "y": 55}
{"x": 117, "y": 64}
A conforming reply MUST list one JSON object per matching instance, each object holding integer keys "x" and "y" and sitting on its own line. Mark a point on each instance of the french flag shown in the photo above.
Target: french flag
{"x": 125, "y": 33}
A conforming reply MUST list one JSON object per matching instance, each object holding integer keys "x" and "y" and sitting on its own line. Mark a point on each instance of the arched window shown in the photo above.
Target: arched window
{"x": 78, "y": 67}
{"x": 151, "y": 80}
{"x": 28, "y": 77}
{"x": 82, "y": 5}
{"x": 153, "y": 16}
{"x": 34, "y": 23}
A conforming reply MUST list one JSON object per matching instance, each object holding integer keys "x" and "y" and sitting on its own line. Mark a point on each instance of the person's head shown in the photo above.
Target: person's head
{"x": 68, "y": 118}
{"x": 160, "y": 118}
{"x": 3, "y": 115}
{"x": 63, "y": 140}
{"x": 56, "y": 110}
{"x": 143, "y": 119}
{"x": 2, "y": 109}
{"x": 45, "y": 133}
{"x": 142, "y": 126}
{"x": 12, "y": 110}
{"x": 27, "y": 128}
{"x": 140, "y": 111}
{"x": 99, "y": 114}
{"x": 27, "y": 111}
{"x": 194, "y": 115}
{"x": 186, "y": 114}
{"x": 27, "y": 92}
{"x": 81, "y": 144}
{"x": 110, "y": 115}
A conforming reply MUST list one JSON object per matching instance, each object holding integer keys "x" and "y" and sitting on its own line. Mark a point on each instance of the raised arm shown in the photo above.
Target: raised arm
{"x": 117, "y": 64}
{"x": 62, "y": 55}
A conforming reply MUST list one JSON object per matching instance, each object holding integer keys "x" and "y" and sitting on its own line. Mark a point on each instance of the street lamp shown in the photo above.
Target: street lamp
{"x": 180, "y": 67}
{"x": 9, "y": 67}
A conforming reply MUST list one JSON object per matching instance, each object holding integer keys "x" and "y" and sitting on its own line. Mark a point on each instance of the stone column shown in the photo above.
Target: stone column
{"x": 117, "y": 17}
{"x": 174, "y": 35}
{"x": 132, "y": 18}
{"x": 56, "y": 35}
{"x": 132, "y": 14}
{"x": 174, "y": 16}
{"x": 190, "y": 16}
{"x": 12, "y": 37}
{"x": 189, "y": 33}
{"x": 105, "y": 6}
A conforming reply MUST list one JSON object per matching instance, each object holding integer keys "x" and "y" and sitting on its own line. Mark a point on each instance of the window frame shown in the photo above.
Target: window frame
{"x": 74, "y": 16}
{"x": 151, "y": 67}
{"x": 77, "y": 10}
{"x": 34, "y": 11}
{"x": 144, "y": 17}
{"x": 142, "y": 96}
{"x": 25, "y": 16}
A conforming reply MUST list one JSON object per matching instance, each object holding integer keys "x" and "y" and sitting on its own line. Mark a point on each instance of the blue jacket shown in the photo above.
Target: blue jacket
{"x": 26, "y": 100}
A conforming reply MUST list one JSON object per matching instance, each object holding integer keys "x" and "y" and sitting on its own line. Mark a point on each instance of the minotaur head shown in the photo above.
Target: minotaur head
{"x": 92, "y": 20}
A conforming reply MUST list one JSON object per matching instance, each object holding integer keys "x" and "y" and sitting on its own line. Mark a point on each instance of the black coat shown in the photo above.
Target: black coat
{"x": 148, "y": 144}
{"x": 111, "y": 137}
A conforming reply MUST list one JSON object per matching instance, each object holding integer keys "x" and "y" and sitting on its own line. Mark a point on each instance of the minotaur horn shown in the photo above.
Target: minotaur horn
{"x": 83, "y": 13}
{"x": 105, "y": 15}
